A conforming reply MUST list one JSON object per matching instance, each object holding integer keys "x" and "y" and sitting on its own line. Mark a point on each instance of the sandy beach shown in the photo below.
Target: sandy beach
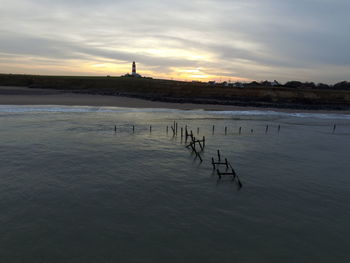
{"x": 31, "y": 96}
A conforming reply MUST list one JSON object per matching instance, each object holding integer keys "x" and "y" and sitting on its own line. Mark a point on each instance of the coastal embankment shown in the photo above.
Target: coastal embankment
{"x": 114, "y": 90}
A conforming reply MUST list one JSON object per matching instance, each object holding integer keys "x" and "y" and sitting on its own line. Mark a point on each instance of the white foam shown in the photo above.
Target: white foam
{"x": 89, "y": 109}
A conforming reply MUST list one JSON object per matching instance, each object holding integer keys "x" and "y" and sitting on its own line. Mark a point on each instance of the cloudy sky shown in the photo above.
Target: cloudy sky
{"x": 304, "y": 40}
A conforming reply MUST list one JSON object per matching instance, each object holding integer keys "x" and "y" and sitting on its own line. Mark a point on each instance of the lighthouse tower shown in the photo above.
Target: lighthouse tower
{"x": 134, "y": 69}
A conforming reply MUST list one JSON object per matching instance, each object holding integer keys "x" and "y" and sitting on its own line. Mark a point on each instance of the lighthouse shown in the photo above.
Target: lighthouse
{"x": 134, "y": 69}
{"x": 133, "y": 72}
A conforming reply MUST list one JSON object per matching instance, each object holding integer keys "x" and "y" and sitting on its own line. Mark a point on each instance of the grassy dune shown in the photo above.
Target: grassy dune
{"x": 178, "y": 91}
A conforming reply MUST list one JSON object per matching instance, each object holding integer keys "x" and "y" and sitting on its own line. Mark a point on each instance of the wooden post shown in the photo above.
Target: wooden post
{"x": 240, "y": 130}
{"x": 279, "y": 128}
{"x": 182, "y": 132}
{"x": 133, "y": 129}
{"x": 334, "y": 127}
{"x": 167, "y": 129}
{"x": 200, "y": 145}
{"x": 219, "y": 157}
{"x": 213, "y": 129}
{"x": 197, "y": 131}
{"x": 115, "y": 128}
{"x": 267, "y": 128}
{"x": 150, "y": 128}
{"x": 203, "y": 141}
{"x": 219, "y": 174}
{"x": 225, "y": 130}
{"x": 251, "y": 131}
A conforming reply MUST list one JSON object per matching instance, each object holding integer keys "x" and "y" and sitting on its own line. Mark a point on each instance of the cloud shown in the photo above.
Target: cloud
{"x": 254, "y": 39}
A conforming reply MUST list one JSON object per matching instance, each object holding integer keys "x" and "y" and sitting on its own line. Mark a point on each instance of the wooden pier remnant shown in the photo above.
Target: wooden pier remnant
{"x": 240, "y": 130}
{"x": 115, "y": 128}
{"x": 267, "y": 129}
{"x": 225, "y": 130}
{"x": 334, "y": 128}
{"x": 193, "y": 143}
{"x": 213, "y": 129}
{"x": 216, "y": 165}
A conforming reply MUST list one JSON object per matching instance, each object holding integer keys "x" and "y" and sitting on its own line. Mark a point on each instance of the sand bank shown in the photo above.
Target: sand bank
{"x": 30, "y": 96}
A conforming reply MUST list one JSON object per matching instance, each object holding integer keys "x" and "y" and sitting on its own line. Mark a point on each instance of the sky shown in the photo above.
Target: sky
{"x": 222, "y": 40}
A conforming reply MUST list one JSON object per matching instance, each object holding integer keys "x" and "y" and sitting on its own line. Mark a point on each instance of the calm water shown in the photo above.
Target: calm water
{"x": 73, "y": 190}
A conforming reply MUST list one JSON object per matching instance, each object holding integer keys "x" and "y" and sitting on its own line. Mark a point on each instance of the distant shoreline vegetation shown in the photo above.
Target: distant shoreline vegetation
{"x": 292, "y": 94}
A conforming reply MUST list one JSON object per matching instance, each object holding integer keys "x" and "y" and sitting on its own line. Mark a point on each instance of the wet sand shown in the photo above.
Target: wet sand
{"x": 30, "y": 96}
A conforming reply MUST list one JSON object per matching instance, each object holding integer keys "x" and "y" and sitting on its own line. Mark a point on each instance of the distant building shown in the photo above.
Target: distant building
{"x": 270, "y": 83}
{"x": 275, "y": 83}
{"x": 238, "y": 85}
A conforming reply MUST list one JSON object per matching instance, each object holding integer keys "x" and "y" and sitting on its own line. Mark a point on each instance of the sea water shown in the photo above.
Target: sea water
{"x": 72, "y": 189}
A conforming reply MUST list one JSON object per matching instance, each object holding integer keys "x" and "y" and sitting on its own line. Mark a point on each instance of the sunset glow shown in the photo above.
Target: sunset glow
{"x": 214, "y": 40}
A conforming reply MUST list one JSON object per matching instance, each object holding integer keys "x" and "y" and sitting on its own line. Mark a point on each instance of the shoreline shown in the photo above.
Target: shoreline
{"x": 30, "y": 96}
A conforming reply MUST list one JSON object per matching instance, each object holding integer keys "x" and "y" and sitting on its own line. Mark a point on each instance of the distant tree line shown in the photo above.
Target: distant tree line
{"x": 343, "y": 85}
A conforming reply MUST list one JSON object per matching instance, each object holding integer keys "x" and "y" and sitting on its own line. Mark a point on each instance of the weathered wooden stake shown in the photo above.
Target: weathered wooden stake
{"x": 182, "y": 132}
{"x": 279, "y": 128}
{"x": 225, "y": 130}
{"x": 219, "y": 157}
{"x": 167, "y": 129}
{"x": 150, "y": 128}
{"x": 334, "y": 127}
{"x": 267, "y": 128}
{"x": 197, "y": 131}
{"x": 203, "y": 141}
{"x": 115, "y": 128}
{"x": 133, "y": 129}
{"x": 200, "y": 158}
{"x": 213, "y": 129}
{"x": 240, "y": 130}
{"x": 251, "y": 130}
